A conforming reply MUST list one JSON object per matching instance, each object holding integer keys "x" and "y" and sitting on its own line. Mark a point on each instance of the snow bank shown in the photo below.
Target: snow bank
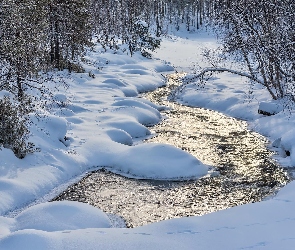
{"x": 265, "y": 225}
{"x": 270, "y": 108}
{"x": 160, "y": 161}
{"x": 60, "y": 216}
{"x": 28, "y": 229}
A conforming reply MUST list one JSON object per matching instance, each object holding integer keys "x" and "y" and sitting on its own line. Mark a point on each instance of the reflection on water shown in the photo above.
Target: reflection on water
{"x": 247, "y": 174}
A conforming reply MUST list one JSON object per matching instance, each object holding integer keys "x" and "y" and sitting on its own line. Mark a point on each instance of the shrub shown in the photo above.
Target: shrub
{"x": 14, "y": 128}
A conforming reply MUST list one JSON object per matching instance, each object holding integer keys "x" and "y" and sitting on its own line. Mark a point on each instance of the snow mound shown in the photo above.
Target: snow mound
{"x": 136, "y": 72}
{"x": 51, "y": 128}
{"x": 116, "y": 82}
{"x": 287, "y": 144}
{"x": 133, "y": 66}
{"x": 120, "y": 136}
{"x": 61, "y": 215}
{"x": 160, "y": 161}
{"x": 146, "y": 116}
{"x": 132, "y": 127}
{"x": 288, "y": 139}
{"x": 137, "y": 103}
{"x": 270, "y": 107}
{"x": 28, "y": 240}
{"x": 164, "y": 68}
{"x": 141, "y": 100}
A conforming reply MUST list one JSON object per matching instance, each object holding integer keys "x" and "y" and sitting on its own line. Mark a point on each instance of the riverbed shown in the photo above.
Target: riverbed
{"x": 244, "y": 171}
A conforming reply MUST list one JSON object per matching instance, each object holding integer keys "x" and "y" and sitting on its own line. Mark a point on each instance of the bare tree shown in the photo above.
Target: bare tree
{"x": 262, "y": 34}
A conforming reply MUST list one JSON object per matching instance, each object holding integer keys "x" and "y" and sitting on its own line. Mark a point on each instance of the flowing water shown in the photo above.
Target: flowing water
{"x": 247, "y": 172}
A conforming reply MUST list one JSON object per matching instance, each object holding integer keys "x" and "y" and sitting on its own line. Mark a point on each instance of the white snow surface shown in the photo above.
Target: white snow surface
{"x": 96, "y": 124}
{"x": 60, "y": 216}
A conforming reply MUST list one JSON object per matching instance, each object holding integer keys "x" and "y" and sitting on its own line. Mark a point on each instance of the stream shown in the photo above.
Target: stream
{"x": 247, "y": 173}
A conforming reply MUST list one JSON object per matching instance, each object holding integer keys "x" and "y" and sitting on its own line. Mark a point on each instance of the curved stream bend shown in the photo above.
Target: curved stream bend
{"x": 247, "y": 172}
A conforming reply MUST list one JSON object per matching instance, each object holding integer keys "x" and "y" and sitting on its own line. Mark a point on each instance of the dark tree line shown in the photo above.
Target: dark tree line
{"x": 140, "y": 24}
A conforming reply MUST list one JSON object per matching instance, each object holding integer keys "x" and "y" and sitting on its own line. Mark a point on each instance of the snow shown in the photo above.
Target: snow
{"x": 270, "y": 108}
{"x": 264, "y": 225}
{"x": 160, "y": 161}
{"x": 98, "y": 122}
{"x": 61, "y": 216}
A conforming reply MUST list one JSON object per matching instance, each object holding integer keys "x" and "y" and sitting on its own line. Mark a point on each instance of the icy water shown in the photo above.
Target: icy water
{"x": 247, "y": 172}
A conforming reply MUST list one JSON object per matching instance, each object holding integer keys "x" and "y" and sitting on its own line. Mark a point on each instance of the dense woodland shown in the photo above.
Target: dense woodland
{"x": 37, "y": 37}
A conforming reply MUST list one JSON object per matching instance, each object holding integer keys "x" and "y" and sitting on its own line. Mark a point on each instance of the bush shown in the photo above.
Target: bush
{"x": 14, "y": 128}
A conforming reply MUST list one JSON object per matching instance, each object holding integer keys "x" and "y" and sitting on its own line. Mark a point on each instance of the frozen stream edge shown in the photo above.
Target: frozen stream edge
{"x": 247, "y": 174}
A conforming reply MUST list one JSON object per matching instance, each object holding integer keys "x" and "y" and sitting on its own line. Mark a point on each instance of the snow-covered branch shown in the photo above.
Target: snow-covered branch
{"x": 191, "y": 78}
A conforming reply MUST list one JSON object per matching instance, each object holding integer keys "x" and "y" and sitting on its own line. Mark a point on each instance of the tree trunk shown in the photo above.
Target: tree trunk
{"x": 20, "y": 91}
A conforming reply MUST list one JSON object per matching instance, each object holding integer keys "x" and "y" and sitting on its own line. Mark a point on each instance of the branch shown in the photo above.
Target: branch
{"x": 235, "y": 72}
{"x": 188, "y": 79}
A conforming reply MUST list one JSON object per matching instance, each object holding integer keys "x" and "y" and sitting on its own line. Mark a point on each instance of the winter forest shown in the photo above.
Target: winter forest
{"x": 259, "y": 33}
{"x": 73, "y": 78}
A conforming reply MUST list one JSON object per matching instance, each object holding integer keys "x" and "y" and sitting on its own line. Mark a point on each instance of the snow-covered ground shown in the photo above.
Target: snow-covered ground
{"x": 99, "y": 120}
